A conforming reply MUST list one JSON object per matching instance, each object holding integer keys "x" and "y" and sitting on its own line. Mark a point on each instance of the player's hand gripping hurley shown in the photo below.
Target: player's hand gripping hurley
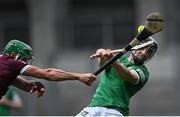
{"x": 154, "y": 24}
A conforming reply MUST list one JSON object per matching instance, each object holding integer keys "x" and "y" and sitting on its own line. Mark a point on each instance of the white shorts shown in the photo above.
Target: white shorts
{"x": 99, "y": 111}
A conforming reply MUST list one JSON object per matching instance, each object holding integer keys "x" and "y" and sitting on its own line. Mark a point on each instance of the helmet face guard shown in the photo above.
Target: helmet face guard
{"x": 152, "y": 50}
{"x": 25, "y": 59}
{"x": 22, "y": 50}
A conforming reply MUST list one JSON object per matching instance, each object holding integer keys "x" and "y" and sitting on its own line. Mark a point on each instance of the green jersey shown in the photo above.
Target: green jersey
{"x": 5, "y": 110}
{"x": 115, "y": 93}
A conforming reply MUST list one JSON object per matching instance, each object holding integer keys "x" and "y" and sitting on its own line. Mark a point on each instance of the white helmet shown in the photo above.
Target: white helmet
{"x": 153, "y": 49}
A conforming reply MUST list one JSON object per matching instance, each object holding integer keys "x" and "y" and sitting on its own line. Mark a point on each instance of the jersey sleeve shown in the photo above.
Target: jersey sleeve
{"x": 142, "y": 73}
{"x": 138, "y": 77}
{"x": 18, "y": 66}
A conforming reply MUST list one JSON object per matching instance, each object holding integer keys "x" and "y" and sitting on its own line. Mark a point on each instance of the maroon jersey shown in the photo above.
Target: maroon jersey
{"x": 9, "y": 70}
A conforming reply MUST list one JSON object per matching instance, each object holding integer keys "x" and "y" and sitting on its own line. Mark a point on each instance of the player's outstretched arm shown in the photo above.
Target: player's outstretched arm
{"x": 53, "y": 74}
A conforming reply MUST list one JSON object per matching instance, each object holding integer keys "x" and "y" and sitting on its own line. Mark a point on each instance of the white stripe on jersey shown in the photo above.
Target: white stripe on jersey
{"x": 142, "y": 75}
{"x": 137, "y": 75}
{"x": 24, "y": 69}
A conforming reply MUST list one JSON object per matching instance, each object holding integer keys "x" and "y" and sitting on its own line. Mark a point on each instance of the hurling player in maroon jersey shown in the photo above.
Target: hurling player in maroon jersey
{"x": 15, "y": 61}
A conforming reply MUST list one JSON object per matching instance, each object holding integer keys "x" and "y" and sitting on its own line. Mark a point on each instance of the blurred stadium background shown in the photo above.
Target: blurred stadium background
{"x": 64, "y": 33}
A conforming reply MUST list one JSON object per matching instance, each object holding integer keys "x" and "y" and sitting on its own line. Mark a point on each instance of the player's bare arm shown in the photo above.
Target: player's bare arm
{"x": 123, "y": 72}
{"x": 29, "y": 86}
{"x": 23, "y": 84}
{"x": 53, "y": 74}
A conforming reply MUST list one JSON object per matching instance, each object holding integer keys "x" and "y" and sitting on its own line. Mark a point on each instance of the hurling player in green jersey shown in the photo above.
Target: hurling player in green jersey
{"x": 120, "y": 81}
